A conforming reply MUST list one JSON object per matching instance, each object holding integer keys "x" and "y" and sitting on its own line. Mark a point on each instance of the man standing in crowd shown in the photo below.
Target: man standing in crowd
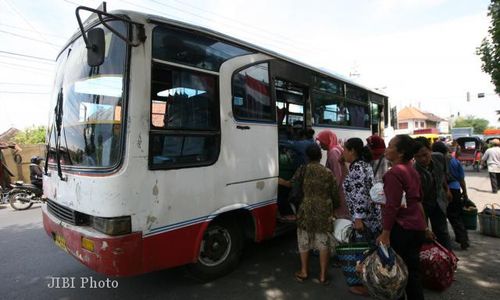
{"x": 433, "y": 175}
{"x": 492, "y": 158}
{"x": 458, "y": 189}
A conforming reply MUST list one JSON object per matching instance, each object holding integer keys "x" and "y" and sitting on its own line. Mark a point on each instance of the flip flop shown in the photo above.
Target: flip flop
{"x": 359, "y": 291}
{"x": 324, "y": 282}
{"x": 300, "y": 278}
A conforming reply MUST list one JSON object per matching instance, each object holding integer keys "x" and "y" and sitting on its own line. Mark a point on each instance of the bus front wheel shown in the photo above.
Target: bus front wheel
{"x": 220, "y": 251}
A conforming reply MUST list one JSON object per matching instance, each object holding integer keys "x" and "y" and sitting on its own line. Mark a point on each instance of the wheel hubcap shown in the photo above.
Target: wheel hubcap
{"x": 215, "y": 247}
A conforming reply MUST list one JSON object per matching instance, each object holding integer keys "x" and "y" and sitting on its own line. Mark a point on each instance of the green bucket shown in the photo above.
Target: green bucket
{"x": 469, "y": 216}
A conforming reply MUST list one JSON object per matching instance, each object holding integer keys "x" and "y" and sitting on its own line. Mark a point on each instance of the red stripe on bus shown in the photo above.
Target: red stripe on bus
{"x": 134, "y": 254}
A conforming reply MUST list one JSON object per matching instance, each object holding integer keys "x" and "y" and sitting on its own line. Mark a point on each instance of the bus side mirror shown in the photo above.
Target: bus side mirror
{"x": 95, "y": 47}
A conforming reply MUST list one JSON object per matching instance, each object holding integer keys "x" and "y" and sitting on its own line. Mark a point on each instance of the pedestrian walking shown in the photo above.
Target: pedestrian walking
{"x": 492, "y": 159}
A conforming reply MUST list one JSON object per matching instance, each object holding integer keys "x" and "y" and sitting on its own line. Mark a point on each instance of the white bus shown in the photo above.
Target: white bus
{"x": 163, "y": 145}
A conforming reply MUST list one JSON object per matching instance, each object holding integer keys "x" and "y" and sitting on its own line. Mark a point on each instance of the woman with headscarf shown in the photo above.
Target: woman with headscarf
{"x": 335, "y": 162}
{"x": 379, "y": 164}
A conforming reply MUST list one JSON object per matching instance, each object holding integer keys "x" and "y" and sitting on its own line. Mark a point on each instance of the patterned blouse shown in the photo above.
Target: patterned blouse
{"x": 357, "y": 185}
{"x": 321, "y": 196}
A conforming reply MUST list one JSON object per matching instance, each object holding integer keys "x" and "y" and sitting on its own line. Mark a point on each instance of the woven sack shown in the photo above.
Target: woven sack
{"x": 384, "y": 274}
{"x": 489, "y": 220}
{"x": 350, "y": 254}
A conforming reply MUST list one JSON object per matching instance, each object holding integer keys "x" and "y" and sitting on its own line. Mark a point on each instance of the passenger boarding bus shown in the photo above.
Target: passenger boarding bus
{"x": 163, "y": 145}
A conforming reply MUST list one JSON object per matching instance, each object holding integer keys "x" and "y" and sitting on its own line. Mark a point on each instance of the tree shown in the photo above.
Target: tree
{"x": 489, "y": 51}
{"x": 478, "y": 124}
{"x": 33, "y": 135}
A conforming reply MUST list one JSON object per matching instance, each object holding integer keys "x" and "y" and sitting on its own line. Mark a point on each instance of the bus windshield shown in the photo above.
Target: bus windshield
{"x": 92, "y": 104}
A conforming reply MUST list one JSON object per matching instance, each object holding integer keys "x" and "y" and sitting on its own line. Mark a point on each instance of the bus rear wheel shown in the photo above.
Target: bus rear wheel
{"x": 220, "y": 251}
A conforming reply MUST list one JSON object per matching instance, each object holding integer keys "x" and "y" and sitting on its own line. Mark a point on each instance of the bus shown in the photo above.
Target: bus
{"x": 163, "y": 146}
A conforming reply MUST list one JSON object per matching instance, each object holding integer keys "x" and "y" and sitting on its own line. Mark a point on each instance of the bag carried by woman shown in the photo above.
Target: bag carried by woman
{"x": 384, "y": 274}
{"x": 351, "y": 253}
{"x": 437, "y": 265}
{"x": 297, "y": 192}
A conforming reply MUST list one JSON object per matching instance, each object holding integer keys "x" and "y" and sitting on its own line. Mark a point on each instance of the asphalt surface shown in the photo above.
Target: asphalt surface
{"x": 29, "y": 261}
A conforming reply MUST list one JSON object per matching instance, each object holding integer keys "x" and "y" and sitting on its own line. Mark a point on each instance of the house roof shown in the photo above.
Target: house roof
{"x": 8, "y": 135}
{"x": 411, "y": 113}
{"x": 433, "y": 118}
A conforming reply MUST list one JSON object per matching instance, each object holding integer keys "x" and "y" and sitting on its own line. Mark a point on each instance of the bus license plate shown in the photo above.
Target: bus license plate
{"x": 60, "y": 241}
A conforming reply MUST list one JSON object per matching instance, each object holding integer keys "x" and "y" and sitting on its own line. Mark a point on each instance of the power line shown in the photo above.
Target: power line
{"x": 238, "y": 22}
{"x": 30, "y": 93}
{"x": 25, "y": 60}
{"x": 23, "y": 84}
{"x": 25, "y": 20}
{"x": 28, "y": 38}
{"x": 30, "y": 30}
{"x": 244, "y": 27}
{"x": 26, "y": 67}
{"x": 277, "y": 44}
{"x": 71, "y": 2}
{"x": 29, "y": 56}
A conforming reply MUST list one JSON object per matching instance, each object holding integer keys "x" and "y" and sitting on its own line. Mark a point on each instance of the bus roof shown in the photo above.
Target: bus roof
{"x": 148, "y": 18}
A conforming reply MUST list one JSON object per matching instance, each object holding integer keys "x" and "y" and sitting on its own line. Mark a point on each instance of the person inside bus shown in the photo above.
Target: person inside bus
{"x": 335, "y": 162}
{"x": 314, "y": 216}
{"x": 287, "y": 167}
{"x": 292, "y": 156}
{"x": 431, "y": 167}
{"x": 456, "y": 181}
{"x": 303, "y": 139}
{"x": 404, "y": 229}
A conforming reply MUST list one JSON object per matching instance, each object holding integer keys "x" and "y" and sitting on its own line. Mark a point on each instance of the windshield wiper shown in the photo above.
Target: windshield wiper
{"x": 58, "y": 116}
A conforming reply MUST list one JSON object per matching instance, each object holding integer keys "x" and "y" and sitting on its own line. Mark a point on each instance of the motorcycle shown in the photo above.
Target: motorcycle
{"x": 23, "y": 195}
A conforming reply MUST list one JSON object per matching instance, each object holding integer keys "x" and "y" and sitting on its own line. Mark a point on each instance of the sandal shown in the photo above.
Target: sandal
{"x": 300, "y": 278}
{"x": 324, "y": 282}
{"x": 359, "y": 290}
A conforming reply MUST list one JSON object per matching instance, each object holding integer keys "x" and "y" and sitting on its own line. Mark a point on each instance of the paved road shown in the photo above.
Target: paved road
{"x": 29, "y": 259}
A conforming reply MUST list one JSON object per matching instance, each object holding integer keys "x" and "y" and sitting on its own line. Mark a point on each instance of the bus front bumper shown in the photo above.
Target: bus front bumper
{"x": 110, "y": 255}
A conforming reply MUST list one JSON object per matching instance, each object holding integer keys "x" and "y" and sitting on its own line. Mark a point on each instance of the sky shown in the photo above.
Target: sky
{"x": 417, "y": 52}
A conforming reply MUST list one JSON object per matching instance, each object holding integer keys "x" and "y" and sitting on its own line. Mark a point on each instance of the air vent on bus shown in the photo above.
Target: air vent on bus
{"x": 66, "y": 214}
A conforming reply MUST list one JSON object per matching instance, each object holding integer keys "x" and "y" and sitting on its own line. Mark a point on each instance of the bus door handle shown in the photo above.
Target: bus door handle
{"x": 243, "y": 127}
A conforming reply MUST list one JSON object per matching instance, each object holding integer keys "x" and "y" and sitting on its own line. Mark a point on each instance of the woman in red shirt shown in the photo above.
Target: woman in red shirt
{"x": 404, "y": 227}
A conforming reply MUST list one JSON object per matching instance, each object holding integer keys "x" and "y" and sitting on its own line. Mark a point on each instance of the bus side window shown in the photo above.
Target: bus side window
{"x": 184, "y": 118}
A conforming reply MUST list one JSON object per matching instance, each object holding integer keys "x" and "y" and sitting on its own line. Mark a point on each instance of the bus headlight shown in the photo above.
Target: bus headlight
{"x": 112, "y": 226}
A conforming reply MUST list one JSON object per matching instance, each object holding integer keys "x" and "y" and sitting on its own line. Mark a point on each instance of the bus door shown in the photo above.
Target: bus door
{"x": 291, "y": 90}
{"x": 248, "y": 155}
{"x": 377, "y": 114}
{"x": 290, "y": 107}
